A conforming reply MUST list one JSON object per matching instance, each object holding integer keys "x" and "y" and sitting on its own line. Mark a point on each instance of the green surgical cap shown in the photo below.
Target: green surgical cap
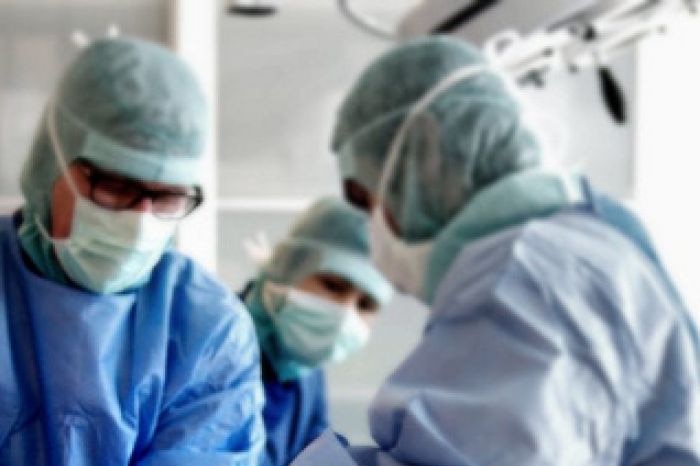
{"x": 126, "y": 106}
{"x": 331, "y": 237}
{"x": 471, "y": 135}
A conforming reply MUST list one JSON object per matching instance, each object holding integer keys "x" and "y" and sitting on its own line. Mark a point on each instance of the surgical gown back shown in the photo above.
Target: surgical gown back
{"x": 164, "y": 375}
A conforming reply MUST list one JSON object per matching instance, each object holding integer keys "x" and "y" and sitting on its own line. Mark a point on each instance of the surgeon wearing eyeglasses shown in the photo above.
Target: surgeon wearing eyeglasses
{"x": 114, "y": 348}
{"x": 313, "y": 304}
{"x": 555, "y": 336}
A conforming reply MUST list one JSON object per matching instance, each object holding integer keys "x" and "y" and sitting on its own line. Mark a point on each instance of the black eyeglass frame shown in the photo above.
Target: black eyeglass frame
{"x": 94, "y": 175}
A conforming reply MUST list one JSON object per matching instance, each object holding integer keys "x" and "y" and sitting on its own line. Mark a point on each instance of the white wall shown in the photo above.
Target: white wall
{"x": 194, "y": 37}
{"x": 596, "y": 145}
{"x": 667, "y": 187}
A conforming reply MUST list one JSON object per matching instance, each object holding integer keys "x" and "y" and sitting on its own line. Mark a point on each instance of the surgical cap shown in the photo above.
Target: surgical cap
{"x": 126, "y": 106}
{"x": 470, "y": 136}
{"x": 331, "y": 238}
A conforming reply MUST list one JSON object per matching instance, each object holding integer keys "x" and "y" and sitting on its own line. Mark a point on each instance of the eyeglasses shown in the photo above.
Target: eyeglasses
{"x": 119, "y": 193}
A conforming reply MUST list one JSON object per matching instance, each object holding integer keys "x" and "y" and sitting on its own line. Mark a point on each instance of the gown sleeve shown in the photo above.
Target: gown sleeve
{"x": 212, "y": 405}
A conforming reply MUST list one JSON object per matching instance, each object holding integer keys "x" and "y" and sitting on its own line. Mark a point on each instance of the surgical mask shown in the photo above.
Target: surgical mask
{"x": 405, "y": 264}
{"x": 107, "y": 251}
{"x": 312, "y": 330}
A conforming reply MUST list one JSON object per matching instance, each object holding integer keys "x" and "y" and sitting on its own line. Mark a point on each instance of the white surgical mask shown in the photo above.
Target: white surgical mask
{"x": 107, "y": 251}
{"x": 405, "y": 264}
{"x": 312, "y": 330}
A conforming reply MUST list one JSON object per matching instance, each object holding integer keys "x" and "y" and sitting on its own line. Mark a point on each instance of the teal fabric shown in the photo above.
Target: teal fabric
{"x": 126, "y": 106}
{"x": 331, "y": 237}
{"x": 470, "y": 136}
{"x": 40, "y": 251}
{"x": 511, "y": 201}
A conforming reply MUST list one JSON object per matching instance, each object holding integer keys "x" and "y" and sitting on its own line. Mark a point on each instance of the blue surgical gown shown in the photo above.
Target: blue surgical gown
{"x": 556, "y": 342}
{"x": 165, "y": 375}
{"x": 295, "y": 414}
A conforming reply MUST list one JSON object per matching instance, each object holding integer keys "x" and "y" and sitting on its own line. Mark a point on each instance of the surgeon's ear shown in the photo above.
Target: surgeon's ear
{"x": 63, "y": 203}
{"x": 391, "y": 221}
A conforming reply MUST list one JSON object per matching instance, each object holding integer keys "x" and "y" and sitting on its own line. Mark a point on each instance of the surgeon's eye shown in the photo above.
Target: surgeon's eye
{"x": 367, "y": 305}
{"x": 335, "y": 285}
{"x": 115, "y": 192}
{"x": 358, "y": 196}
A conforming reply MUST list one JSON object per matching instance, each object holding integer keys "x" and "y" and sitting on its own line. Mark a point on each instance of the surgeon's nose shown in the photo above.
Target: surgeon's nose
{"x": 347, "y": 300}
{"x": 144, "y": 205}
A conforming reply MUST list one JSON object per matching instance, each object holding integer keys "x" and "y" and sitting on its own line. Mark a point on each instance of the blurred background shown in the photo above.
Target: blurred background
{"x": 276, "y": 81}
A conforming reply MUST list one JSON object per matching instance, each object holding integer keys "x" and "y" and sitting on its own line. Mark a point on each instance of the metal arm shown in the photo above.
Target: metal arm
{"x": 364, "y": 22}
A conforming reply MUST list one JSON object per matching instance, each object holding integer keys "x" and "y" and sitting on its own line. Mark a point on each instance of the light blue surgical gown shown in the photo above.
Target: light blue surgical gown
{"x": 556, "y": 342}
{"x": 166, "y": 375}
